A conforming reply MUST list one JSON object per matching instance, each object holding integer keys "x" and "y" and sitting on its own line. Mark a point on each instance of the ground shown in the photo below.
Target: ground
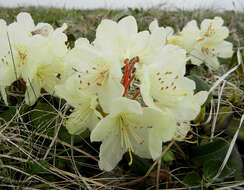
{"x": 36, "y": 152}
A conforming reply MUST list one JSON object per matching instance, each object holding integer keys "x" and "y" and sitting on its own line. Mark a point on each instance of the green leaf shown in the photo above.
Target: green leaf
{"x": 60, "y": 163}
{"x": 236, "y": 164}
{"x": 192, "y": 179}
{"x": 224, "y": 118}
{"x": 213, "y": 150}
{"x": 169, "y": 157}
{"x": 35, "y": 168}
{"x": 201, "y": 115}
{"x": 235, "y": 98}
{"x": 234, "y": 62}
{"x": 217, "y": 150}
{"x": 211, "y": 168}
{"x": 201, "y": 85}
{"x": 63, "y": 134}
{"x": 43, "y": 114}
{"x": 233, "y": 126}
{"x": 8, "y": 114}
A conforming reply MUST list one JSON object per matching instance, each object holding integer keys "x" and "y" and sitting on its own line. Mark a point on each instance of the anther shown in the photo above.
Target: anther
{"x": 126, "y": 61}
{"x": 201, "y": 39}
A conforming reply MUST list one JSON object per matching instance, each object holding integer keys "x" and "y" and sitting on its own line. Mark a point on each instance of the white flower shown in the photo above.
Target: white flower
{"x": 170, "y": 67}
{"x": 45, "y": 66}
{"x": 212, "y": 45}
{"x": 205, "y": 44}
{"x": 26, "y": 22}
{"x": 14, "y": 40}
{"x": 95, "y": 79}
{"x": 188, "y": 37}
{"x": 26, "y": 47}
{"x": 130, "y": 128}
{"x": 123, "y": 40}
{"x": 96, "y": 73}
{"x": 160, "y": 35}
{"x": 84, "y": 116}
{"x": 164, "y": 87}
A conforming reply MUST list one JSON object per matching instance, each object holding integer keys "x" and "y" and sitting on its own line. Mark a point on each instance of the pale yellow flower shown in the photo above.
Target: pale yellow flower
{"x": 84, "y": 115}
{"x": 97, "y": 73}
{"x": 205, "y": 44}
{"x": 130, "y": 128}
{"x": 45, "y": 66}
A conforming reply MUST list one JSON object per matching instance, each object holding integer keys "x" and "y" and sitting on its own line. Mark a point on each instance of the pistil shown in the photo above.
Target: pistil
{"x": 128, "y": 76}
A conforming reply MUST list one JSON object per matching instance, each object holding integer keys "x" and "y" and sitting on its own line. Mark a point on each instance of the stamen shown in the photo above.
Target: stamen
{"x": 126, "y": 71}
{"x": 131, "y": 159}
{"x": 126, "y": 128}
{"x": 134, "y": 61}
{"x": 128, "y": 84}
{"x": 201, "y": 39}
{"x": 136, "y": 94}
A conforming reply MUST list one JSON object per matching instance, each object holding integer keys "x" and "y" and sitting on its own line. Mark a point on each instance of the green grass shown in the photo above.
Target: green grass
{"x": 36, "y": 152}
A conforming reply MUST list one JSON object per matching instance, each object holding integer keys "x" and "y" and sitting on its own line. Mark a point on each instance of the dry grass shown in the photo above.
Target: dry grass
{"x": 36, "y": 152}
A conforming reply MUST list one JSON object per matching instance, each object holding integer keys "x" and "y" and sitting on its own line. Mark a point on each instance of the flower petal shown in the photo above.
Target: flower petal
{"x": 162, "y": 129}
{"x": 82, "y": 118}
{"x": 33, "y": 92}
{"x": 110, "y": 153}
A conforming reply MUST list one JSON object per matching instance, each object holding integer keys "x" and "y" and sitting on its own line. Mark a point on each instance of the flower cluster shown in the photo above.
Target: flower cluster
{"x": 206, "y": 44}
{"x": 127, "y": 87}
{"x": 33, "y": 54}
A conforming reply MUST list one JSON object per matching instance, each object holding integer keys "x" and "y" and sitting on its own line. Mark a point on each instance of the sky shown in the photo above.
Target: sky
{"x": 218, "y": 5}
